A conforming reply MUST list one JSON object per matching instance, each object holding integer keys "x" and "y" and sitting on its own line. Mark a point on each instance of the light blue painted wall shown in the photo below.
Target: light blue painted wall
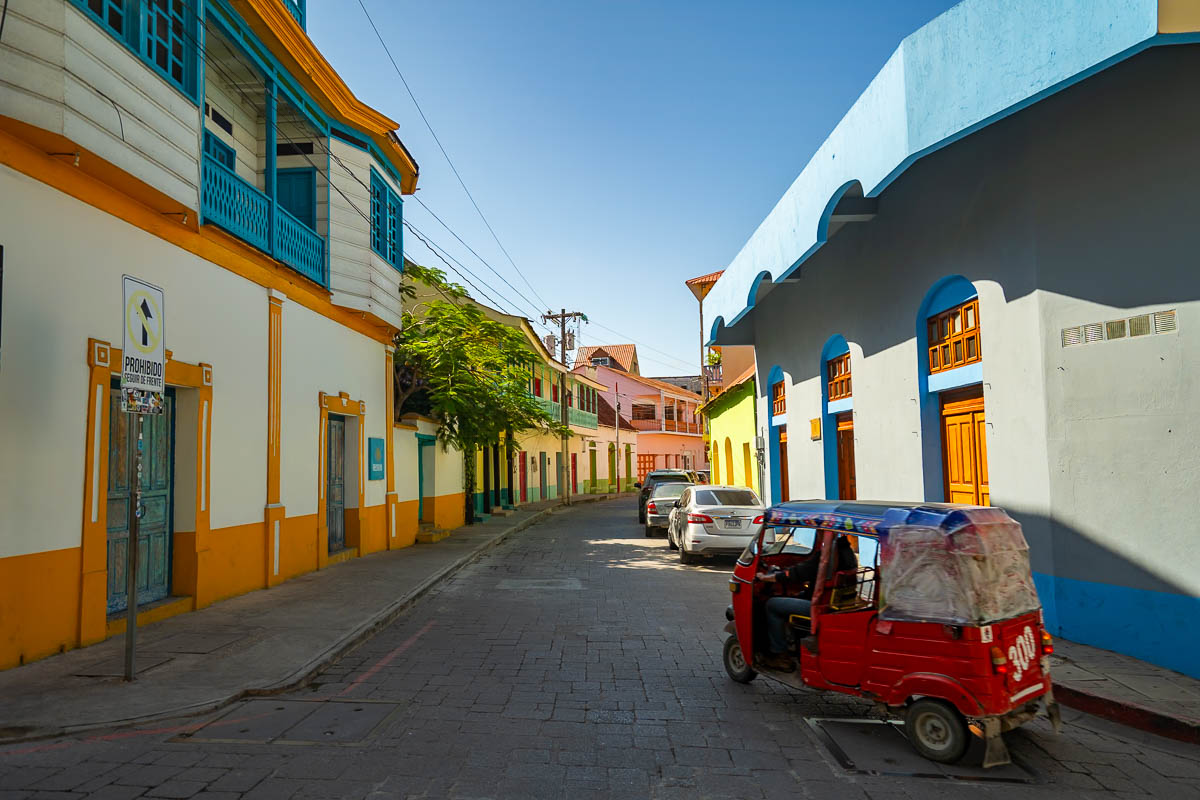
{"x": 974, "y": 64}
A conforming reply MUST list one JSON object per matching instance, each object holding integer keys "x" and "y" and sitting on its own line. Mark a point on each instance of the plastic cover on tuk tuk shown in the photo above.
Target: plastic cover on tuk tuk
{"x": 969, "y": 567}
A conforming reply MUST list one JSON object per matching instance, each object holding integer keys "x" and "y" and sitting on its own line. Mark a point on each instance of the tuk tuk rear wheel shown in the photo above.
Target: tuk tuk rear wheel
{"x": 937, "y": 730}
{"x": 735, "y": 662}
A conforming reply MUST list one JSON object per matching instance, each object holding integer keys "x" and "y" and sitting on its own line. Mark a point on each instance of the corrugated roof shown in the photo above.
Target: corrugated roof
{"x": 625, "y": 354}
{"x": 606, "y": 414}
{"x": 667, "y": 387}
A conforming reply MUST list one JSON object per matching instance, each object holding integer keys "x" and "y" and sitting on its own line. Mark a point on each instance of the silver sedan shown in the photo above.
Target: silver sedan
{"x": 714, "y": 520}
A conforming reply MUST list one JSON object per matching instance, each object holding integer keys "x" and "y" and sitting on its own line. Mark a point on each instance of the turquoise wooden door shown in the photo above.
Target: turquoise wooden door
{"x": 154, "y": 529}
{"x": 296, "y": 193}
{"x": 422, "y": 444}
{"x": 335, "y": 489}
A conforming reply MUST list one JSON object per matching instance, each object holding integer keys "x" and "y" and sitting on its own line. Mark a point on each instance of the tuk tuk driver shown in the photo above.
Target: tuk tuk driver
{"x": 798, "y": 580}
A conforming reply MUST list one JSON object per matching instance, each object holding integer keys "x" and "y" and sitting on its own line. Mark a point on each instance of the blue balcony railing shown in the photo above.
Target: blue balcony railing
{"x": 236, "y": 205}
{"x": 299, "y": 246}
{"x": 584, "y": 419}
{"x": 297, "y": 9}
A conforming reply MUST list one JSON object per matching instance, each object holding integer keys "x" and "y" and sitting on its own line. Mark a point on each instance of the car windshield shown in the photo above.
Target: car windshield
{"x": 726, "y": 497}
{"x": 669, "y": 490}
{"x": 673, "y": 477}
{"x": 796, "y": 541}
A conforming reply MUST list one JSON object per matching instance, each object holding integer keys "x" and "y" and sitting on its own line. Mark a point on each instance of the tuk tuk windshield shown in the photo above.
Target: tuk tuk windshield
{"x": 970, "y": 567}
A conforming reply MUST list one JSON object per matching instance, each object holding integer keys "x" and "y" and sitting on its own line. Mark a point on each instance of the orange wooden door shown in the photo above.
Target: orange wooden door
{"x": 847, "y": 486}
{"x": 964, "y": 448}
{"x": 783, "y": 465}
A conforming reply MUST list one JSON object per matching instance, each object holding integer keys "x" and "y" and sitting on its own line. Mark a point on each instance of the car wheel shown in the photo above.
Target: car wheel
{"x": 641, "y": 517}
{"x": 684, "y": 556}
{"x": 671, "y": 539}
{"x": 735, "y": 662}
{"x": 649, "y": 531}
{"x": 936, "y": 730}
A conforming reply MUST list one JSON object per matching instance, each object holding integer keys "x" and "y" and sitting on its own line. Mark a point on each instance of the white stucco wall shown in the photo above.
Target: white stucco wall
{"x": 320, "y": 355}
{"x": 61, "y": 289}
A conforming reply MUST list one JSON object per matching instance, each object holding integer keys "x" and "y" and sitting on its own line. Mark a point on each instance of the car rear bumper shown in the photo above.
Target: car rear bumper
{"x": 697, "y": 540}
{"x": 658, "y": 520}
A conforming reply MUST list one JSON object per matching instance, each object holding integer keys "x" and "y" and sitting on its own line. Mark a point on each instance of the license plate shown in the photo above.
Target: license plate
{"x": 733, "y": 523}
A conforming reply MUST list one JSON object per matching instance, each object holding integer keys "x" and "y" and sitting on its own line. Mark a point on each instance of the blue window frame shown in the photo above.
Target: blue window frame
{"x": 162, "y": 32}
{"x": 222, "y": 153}
{"x": 387, "y": 215}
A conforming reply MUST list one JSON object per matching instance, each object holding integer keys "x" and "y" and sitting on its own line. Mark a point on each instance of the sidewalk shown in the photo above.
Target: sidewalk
{"x": 258, "y": 643}
{"x": 1125, "y": 690}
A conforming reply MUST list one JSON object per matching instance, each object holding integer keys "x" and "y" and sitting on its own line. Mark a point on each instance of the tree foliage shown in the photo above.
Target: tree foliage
{"x": 469, "y": 372}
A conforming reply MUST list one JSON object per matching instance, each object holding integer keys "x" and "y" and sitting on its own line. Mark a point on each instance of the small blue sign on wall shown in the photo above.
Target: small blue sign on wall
{"x": 375, "y": 455}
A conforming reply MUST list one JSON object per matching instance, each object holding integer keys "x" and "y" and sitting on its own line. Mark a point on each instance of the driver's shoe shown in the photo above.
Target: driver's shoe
{"x": 779, "y": 662}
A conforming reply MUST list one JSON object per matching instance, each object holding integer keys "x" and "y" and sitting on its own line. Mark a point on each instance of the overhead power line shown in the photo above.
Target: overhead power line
{"x": 687, "y": 364}
{"x": 449, "y": 161}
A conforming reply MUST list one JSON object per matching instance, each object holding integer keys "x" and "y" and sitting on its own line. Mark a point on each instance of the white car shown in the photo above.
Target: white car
{"x": 714, "y": 520}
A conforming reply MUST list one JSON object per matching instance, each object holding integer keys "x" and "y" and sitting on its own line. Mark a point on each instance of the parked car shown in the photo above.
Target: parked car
{"x": 714, "y": 520}
{"x": 660, "y": 505}
{"x": 702, "y": 476}
{"x": 653, "y": 479}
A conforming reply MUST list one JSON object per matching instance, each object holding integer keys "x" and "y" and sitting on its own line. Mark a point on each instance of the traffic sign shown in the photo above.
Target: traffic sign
{"x": 143, "y": 357}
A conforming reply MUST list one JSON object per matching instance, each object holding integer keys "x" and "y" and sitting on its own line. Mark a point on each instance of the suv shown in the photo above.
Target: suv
{"x": 653, "y": 479}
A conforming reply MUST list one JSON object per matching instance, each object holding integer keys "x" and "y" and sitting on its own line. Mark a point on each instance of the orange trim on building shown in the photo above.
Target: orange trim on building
{"x": 278, "y": 30}
{"x": 207, "y": 242}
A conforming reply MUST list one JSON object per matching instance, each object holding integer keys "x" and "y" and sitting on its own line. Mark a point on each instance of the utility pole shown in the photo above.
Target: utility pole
{"x": 564, "y": 467}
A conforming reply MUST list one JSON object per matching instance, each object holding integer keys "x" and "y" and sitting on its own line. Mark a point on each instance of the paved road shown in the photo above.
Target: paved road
{"x": 578, "y": 660}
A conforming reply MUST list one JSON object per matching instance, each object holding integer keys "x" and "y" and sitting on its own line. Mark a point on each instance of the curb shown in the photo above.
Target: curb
{"x": 1130, "y": 714}
{"x": 306, "y": 672}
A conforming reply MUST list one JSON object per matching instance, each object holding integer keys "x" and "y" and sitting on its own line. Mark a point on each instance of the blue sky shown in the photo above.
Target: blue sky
{"x": 617, "y": 148}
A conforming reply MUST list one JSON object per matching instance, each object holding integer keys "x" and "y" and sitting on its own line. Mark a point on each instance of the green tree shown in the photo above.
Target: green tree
{"x": 468, "y": 372}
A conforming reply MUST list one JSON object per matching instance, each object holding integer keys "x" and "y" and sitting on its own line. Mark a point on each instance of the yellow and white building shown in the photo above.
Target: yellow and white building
{"x": 212, "y": 151}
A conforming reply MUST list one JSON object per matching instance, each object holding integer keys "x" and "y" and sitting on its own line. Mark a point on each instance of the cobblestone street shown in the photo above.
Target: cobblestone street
{"x": 577, "y": 660}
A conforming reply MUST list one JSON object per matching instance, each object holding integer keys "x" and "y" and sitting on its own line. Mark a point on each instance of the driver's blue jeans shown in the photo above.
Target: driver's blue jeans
{"x": 778, "y": 611}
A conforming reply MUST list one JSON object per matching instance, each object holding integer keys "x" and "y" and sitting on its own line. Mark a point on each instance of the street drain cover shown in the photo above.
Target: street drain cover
{"x": 296, "y": 722}
{"x": 879, "y": 747}
{"x": 560, "y": 584}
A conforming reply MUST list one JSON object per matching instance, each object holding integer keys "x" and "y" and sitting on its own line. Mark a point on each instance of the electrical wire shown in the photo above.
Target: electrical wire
{"x": 423, "y": 238}
{"x": 453, "y": 168}
{"x": 643, "y": 344}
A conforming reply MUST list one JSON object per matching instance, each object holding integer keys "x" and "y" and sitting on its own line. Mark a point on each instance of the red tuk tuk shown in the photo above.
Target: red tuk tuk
{"x": 944, "y": 624}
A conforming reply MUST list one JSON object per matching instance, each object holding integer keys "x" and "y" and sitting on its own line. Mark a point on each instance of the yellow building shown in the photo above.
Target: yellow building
{"x": 730, "y": 419}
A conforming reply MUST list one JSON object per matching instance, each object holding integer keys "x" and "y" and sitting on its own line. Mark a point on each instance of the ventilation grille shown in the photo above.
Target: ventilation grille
{"x": 1141, "y": 325}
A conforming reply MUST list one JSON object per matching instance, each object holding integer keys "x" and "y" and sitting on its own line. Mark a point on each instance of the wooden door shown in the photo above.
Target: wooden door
{"x": 592, "y": 469}
{"x": 296, "y": 192}
{"x": 524, "y": 476}
{"x": 154, "y": 528}
{"x": 574, "y": 473}
{"x": 543, "y": 465}
{"x": 847, "y": 486}
{"x": 335, "y": 482}
{"x": 964, "y": 448}
{"x": 783, "y": 465}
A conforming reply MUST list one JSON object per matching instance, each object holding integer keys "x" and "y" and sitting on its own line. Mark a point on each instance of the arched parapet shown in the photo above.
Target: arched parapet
{"x": 852, "y": 189}
{"x": 715, "y": 331}
{"x": 759, "y": 288}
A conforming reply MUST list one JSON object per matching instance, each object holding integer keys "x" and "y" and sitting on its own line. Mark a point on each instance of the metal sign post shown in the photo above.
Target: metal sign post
{"x": 143, "y": 383}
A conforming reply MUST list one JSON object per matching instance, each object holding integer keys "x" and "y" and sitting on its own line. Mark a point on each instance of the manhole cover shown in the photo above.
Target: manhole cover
{"x": 296, "y": 722}
{"x": 879, "y": 747}
{"x": 560, "y": 584}
{"x": 115, "y": 667}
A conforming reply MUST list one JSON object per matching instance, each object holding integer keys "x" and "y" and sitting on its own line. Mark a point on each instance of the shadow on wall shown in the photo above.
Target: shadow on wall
{"x": 1146, "y": 616}
{"x": 1003, "y": 205}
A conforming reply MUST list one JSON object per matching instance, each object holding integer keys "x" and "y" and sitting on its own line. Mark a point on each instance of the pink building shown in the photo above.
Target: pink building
{"x": 670, "y": 434}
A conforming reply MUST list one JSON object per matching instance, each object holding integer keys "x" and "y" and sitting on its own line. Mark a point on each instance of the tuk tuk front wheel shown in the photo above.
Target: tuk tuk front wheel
{"x": 937, "y": 730}
{"x": 735, "y": 662}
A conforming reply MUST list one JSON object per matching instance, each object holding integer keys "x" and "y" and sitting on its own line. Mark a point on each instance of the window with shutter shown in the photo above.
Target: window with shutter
{"x": 839, "y": 377}
{"x": 954, "y": 337}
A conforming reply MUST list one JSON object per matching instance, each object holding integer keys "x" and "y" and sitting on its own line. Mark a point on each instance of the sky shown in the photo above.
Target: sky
{"x": 616, "y": 147}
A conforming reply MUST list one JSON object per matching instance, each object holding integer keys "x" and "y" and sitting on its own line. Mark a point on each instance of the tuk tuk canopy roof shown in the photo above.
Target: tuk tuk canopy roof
{"x": 875, "y": 518}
